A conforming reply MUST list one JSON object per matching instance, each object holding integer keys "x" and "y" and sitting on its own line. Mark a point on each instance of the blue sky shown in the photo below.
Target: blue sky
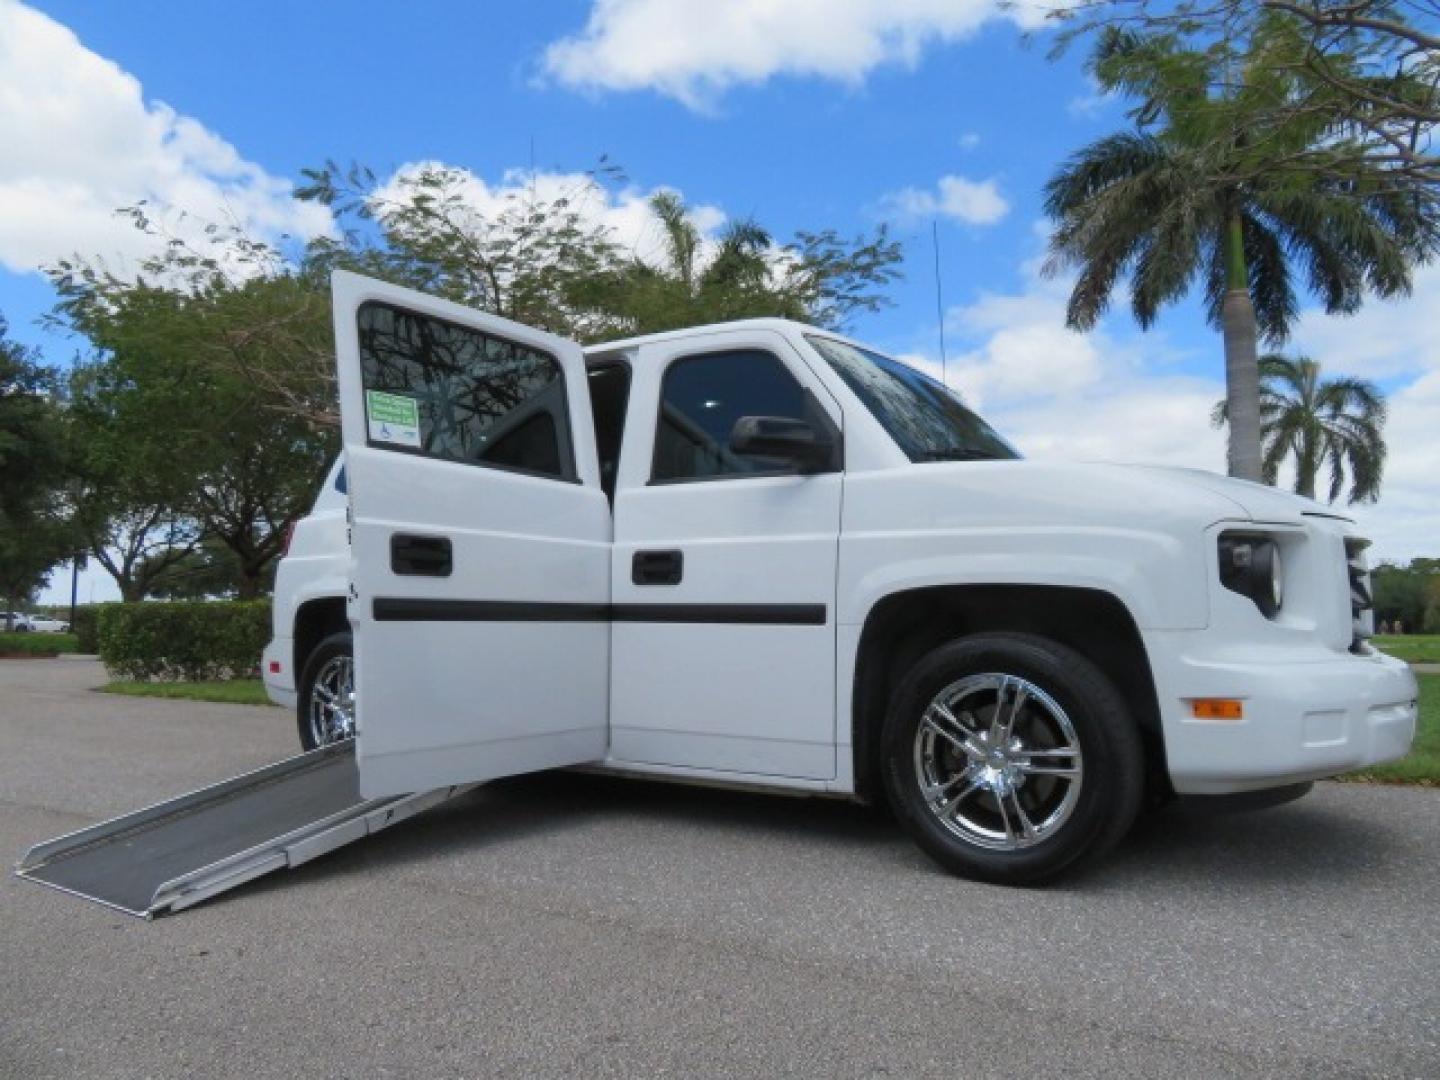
{"x": 802, "y": 113}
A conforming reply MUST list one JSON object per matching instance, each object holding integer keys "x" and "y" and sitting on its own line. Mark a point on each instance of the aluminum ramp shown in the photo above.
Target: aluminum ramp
{"x": 177, "y": 853}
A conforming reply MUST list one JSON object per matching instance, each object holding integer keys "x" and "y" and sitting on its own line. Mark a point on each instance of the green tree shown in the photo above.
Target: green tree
{"x": 1313, "y": 423}
{"x": 1202, "y": 188}
{"x": 35, "y": 531}
{"x": 533, "y": 257}
{"x": 209, "y": 571}
{"x": 129, "y": 487}
{"x": 1372, "y": 68}
{"x": 1402, "y": 591}
{"x": 184, "y": 444}
{"x": 817, "y": 278}
{"x": 538, "y": 258}
{"x": 547, "y": 261}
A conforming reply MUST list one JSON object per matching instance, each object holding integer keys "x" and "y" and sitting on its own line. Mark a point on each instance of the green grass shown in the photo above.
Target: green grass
{"x": 31, "y": 644}
{"x": 1415, "y": 648}
{"x": 1422, "y": 766}
{"x": 232, "y": 692}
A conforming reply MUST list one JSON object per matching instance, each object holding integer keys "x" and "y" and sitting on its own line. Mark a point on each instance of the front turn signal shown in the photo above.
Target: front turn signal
{"x": 1217, "y": 709}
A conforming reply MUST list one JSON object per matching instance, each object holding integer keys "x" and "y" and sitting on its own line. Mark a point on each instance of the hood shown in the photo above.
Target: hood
{"x": 1259, "y": 501}
{"x": 1007, "y": 494}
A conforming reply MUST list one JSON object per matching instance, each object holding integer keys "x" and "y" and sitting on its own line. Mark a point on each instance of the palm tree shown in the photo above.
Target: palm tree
{"x": 1199, "y": 190}
{"x": 1315, "y": 422}
{"x": 738, "y": 277}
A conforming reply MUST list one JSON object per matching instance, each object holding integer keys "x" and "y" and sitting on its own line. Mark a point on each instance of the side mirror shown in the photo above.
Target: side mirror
{"x": 780, "y": 437}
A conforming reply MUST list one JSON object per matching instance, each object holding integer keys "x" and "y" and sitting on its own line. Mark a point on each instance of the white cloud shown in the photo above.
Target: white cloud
{"x": 78, "y": 140}
{"x": 1061, "y": 395}
{"x": 969, "y": 140}
{"x": 624, "y": 213}
{"x": 1396, "y": 343}
{"x": 693, "y": 50}
{"x": 1093, "y": 103}
{"x": 1384, "y": 338}
{"x": 974, "y": 202}
{"x": 1115, "y": 395}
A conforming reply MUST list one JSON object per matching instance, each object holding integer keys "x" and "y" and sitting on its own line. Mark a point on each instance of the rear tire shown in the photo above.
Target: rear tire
{"x": 1010, "y": 758}
{"x": 325, "y": 707}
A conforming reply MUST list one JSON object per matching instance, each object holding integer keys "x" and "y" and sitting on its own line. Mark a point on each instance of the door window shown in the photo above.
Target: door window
{"x": 701, "y": 397}
{"x": 447, "y": 391}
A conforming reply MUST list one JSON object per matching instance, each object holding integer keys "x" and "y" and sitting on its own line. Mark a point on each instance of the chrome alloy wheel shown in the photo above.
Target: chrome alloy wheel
{"x": 998, "y": 761}
{"x": 332, "y": 702}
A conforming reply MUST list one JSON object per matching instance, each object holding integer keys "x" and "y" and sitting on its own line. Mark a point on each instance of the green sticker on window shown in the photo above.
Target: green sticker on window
{"x": 392, "y": 418}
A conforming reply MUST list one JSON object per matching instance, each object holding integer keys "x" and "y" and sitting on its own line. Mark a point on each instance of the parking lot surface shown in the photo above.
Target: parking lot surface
{"x": 566, "y": 925}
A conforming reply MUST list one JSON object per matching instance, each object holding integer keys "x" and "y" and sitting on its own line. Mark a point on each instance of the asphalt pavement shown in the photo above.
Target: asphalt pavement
{"x": 566, "y": 925}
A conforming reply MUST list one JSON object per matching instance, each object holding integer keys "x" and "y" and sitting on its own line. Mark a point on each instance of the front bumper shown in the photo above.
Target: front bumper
{"x": 1305, "y": 717}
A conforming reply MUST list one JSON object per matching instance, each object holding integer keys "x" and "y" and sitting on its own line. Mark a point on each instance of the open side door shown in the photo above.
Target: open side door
{"x": 480, "y": 542}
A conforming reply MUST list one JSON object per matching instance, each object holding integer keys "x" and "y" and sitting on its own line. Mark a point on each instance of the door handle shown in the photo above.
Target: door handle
{"x": 420, "y": 556}
{"x": 657, "y": 567}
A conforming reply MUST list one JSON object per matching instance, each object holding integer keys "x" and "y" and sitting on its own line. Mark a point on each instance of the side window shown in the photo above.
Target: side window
{"x": 702, "y": 396}
{"x": 446, "y": 391}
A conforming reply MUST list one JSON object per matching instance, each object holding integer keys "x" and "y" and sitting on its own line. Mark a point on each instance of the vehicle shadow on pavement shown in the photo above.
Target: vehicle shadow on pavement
{"x": 1295, "y": 843}
{"x": 1169, "y": 851}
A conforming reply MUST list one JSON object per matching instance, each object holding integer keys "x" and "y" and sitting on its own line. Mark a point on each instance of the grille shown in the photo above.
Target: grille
{"x": 1362, "y": 605}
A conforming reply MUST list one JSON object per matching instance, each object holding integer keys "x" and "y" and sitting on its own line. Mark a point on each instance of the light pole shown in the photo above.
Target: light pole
{"x": 74, "y": 585}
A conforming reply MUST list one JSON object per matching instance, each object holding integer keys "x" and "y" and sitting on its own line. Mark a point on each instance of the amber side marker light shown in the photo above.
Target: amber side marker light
{"x": 1217, "y": 709}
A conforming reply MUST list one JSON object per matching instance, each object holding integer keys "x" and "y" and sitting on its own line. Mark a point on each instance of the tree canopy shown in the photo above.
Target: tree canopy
{"x": 204, "y": 418}
{"x": 35, "y": 527}
{"x": 1367, "y": 71}
{"x": 1212, "y": 183}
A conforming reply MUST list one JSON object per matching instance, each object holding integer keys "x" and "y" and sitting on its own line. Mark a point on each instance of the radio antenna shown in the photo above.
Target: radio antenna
{"x": 939, "y": 302}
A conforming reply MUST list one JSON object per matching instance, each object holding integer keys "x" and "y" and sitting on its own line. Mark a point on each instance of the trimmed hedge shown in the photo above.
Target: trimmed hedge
{"x": 32, "y": 644}
{"x": 184, "y": 642}
{"x": 85, "y": 628}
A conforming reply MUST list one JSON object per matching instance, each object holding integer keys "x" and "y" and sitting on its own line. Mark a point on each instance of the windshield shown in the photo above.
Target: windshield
{"x": 924, "y": 417}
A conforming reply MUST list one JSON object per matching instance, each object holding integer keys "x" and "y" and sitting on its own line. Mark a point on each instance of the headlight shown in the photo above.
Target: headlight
{"x": 1250, "y": 566}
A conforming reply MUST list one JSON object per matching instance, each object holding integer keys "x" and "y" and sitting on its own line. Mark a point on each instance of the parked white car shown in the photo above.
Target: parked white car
{"x": 44, "y": 624}
{"x": 762, "y": 554}
{"x": 17, "y": 622}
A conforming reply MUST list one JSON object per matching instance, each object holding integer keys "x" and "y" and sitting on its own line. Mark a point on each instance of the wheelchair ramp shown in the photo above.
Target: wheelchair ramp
{"x": 177, "y": 853}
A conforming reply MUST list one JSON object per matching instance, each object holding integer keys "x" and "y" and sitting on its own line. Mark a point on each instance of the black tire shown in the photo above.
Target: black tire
{"x": 1109, "y": 785}
{"x": 334, "y": 647}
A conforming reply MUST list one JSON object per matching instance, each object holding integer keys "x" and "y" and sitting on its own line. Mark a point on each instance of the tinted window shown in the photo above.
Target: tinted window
{"x": 446, "y": 391}
{"x": 927, "y": 421}
{"x": 340, "y": 480}
{"x": 701, "y": 397}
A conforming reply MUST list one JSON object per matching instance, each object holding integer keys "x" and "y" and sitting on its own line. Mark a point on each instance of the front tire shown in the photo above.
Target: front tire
{"x": 1010, "y": 758}
{"x": 325, "y": 709}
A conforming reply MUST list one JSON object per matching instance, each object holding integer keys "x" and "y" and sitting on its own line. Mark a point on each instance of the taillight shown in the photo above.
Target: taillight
{"x": 289, "y": 535}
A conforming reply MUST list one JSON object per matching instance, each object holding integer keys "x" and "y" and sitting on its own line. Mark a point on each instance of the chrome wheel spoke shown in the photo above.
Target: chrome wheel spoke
{"x": 1044, "y": 770}
{"x": 934, "y": 792}
{"x": 1004, "y": 723}
{"x": 1004, "y": 816}
{"x": 1027, "y": 827}
{"x": 950, "y": 807}
{"x": 1049, "y": 761}
{"x": 949, "y": 728}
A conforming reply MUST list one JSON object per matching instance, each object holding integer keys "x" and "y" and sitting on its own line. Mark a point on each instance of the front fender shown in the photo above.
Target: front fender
{"x": 1160, "y": 578}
